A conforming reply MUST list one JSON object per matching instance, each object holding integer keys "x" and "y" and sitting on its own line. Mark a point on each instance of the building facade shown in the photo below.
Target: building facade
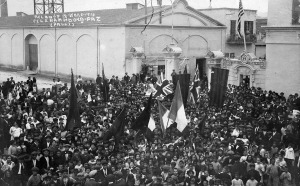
{"x": 283, "y": 46}
{"x": 234, "y": 46}
{"x": 117, "y": 38}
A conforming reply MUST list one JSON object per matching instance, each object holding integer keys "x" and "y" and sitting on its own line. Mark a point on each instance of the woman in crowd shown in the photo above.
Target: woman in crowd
{"x": 251, "y": 140}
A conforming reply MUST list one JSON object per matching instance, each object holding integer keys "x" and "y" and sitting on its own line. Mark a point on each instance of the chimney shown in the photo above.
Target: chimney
{"x": 3, "y": 10}
{"x": 134, "y": 6}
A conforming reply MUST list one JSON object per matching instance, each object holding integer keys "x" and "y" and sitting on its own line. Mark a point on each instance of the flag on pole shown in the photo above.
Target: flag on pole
{"x": 141, "y": 123}
{"x": 117, "y": 128}
{"x": 73, "y": 119}
{"x": 195, "y": 88}
{"x": 151, "y": 124}
{"x": 240, "y": 15}
{"x": 164, "y": 117}
{"x": 105, "y": 86}
{"x": 177, "y": 112}
{"x": 163, "y": 89}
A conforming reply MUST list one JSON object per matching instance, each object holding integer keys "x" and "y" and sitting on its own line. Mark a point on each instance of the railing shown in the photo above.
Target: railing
{"x": 234, "y": 39}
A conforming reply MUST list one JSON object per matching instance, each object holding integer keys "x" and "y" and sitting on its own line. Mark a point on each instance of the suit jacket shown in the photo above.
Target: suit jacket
{"x": 16, "y": 168}
{"x": 275, "y": 138}
{"x": 43, "y": 163}
{"x": 44, "y": 145}
{"x": 29, "y": 165}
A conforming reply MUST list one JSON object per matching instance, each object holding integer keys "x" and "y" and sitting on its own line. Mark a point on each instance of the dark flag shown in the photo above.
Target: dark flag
{"x": 185, "y": 70}
{"x": 73, "y": 119}
{"x": 117, "y": 128}
{"x": 184, "y": 81}
{"x": 219, "y": 79}
{"x": 141, "y": 123}
{"x": 105, "y": 86}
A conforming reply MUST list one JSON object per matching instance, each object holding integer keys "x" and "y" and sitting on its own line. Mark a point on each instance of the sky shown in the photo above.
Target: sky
{"x": 81, "y": 5}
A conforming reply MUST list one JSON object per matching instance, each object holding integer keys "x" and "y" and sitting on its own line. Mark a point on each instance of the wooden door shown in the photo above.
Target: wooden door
{"x": 33, "y": 56}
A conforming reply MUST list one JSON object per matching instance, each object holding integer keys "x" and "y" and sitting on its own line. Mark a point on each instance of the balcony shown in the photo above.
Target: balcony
{"x": 234, "y": 39}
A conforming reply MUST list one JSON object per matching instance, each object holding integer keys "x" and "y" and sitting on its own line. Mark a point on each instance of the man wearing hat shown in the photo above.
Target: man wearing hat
{"x": 47, "y": 142}
{"x": 35, "y": 179}
{"x": 45, "y": 161}
{"x": 33, "y": 162}
{"x": 119, "y": 179}
{"x": 19, "y": 171}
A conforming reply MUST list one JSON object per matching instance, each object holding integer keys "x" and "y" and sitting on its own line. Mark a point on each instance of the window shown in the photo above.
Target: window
{"x": 232, "y": 27}
{"x": 232, "y": 55}
{"x": 248, "y": 27}
{"x": 296, "y": 12}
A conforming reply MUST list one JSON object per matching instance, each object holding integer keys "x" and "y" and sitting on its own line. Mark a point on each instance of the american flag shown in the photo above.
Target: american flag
{"x": 241, "y": 13}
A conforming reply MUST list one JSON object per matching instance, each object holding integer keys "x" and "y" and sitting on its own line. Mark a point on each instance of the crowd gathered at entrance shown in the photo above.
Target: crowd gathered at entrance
{"x": 252, "y": 140}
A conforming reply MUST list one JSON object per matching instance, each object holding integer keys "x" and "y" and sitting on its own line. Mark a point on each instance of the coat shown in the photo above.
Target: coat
{"x": 91, "y": 182}
{"x": 120, "y": 182}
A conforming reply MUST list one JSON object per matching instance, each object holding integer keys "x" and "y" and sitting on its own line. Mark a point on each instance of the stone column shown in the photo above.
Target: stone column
{"x": 136, "y": 60}
{"x": 136, "y": 64}
{"x": 171, "y": 63}
{"x": 172, "y": 53}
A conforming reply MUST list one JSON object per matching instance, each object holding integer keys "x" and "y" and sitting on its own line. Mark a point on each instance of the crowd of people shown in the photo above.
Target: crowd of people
{"x": 252, "y": 140}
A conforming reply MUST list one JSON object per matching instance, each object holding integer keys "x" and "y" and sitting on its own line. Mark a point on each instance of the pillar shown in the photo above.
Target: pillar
{"x": 171, "y": 63}
{"x": 136, "y": 64}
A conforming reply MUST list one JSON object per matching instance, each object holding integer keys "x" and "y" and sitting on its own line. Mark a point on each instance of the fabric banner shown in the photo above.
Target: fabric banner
{"x": 219, "y": 79}
{"x": 184, "y": 81}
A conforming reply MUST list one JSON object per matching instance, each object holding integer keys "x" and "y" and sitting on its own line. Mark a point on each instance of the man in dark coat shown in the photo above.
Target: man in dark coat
{"x": 254, "y": 173}
{"x": 45, "y": 161}
{"x": 33, "y": 162}
{"x": 119, "y": 179}
{"x": 20, "y": 171}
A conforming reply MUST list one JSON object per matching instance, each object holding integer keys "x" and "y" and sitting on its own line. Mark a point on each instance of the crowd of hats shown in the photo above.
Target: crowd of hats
{"x": 250, "y": 111}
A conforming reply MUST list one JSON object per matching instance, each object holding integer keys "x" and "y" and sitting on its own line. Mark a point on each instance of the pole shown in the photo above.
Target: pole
{"x": 146, "y": 12}
{"x": 245, "y": 43}
{"x": 172, "y": 22}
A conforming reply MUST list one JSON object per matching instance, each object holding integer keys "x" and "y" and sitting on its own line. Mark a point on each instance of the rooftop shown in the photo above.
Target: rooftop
{"x": 225, "y": 8}
{"x": 81, "y": 18}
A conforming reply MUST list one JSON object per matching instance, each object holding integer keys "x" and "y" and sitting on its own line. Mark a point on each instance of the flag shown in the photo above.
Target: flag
{"x": 73, "y": 119}
{"x": 195, "y": 88}
{"x": 105, "y": 86}
{"x": 141, "y": 123}
{"x": 184, "y": 81}
{"x": 240, "y": 15}
{"x": 163, "y": 89}
{"x": 177, "y": 112}
{"x": 164, "y": 117}
{"x": 117, "y": 128}
{"x": 185, "y": 70}
{"x": 151, "y": 124}
{"x": 219, "y": 79}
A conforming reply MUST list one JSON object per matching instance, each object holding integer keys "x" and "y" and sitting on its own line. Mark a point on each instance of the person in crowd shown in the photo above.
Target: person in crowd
{"x": 251, "y": 140}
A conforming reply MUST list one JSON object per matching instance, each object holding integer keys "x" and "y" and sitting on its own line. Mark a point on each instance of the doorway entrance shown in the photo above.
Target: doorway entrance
{"x": 245, "y": 80}
{"x": 31, "y": 52}
{"x": 201, "y": 64}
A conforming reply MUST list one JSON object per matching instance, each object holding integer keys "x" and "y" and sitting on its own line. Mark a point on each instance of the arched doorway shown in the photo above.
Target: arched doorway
{"x": 31, "y": 52}
{"x": 245, "y": 74}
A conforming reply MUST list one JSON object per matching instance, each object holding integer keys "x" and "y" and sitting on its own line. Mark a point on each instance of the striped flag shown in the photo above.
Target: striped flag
{"x": 177, "y": 112}
{"x": 241, "y": 13}
{"x": 163, "y": 116}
